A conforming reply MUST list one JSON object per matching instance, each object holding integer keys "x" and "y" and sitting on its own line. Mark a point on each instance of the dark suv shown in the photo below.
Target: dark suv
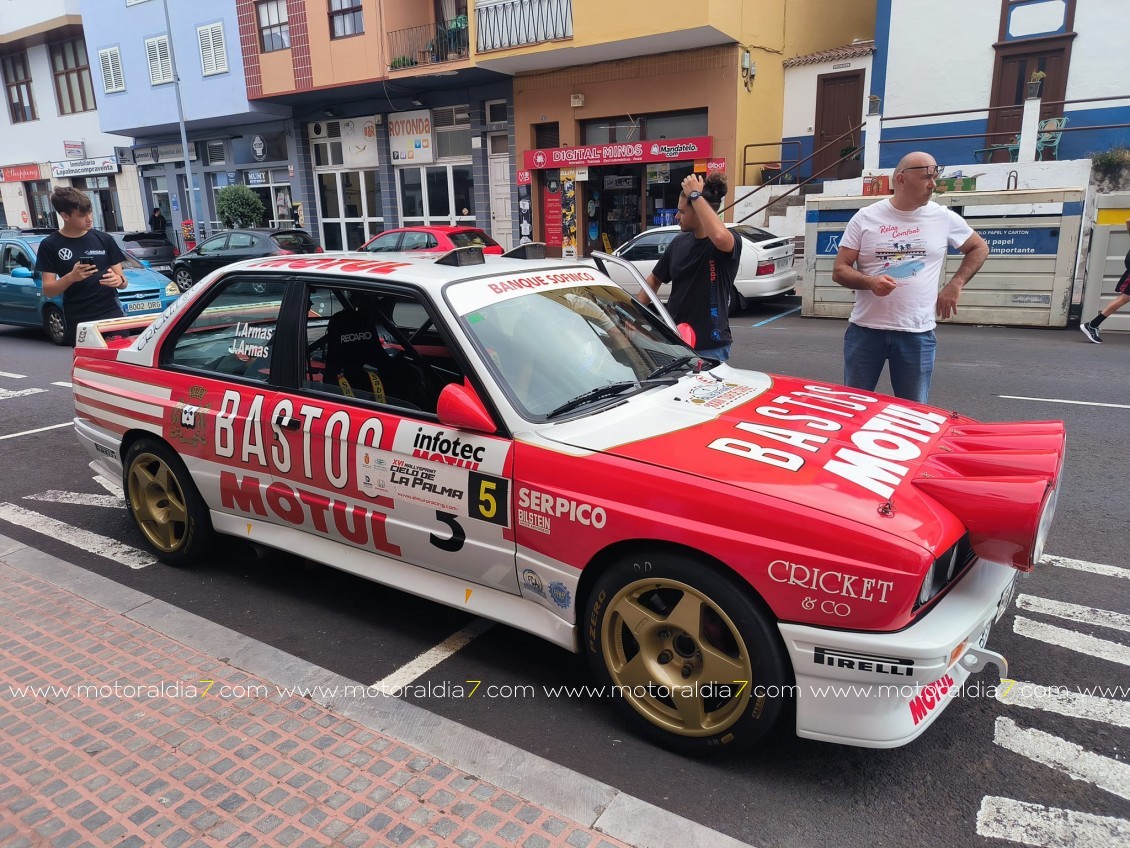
{"x": 228, "y": 246}
{"x": 153, "y": 248}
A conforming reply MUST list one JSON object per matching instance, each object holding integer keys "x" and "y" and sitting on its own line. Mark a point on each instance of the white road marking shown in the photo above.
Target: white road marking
{"x": 13, "y": 376}
{"x": 1074, "y": 612}
{"x": 1061, "y": 400}
{"x": 1083, "y": 565}
{"x": 1058, "y": 700}
{"x": 1073, "y": 641}
{"x": 110, "y": 486}
{"x": 8, "y": 394}
{"x": 432, "y": 657}
{"x": 1073, "y": 760}
{"x": 91, "y": 542}
{"x": 80, "y": 498}
{"x": 64, "y": 384}
{"x": 1048, "y": 827}
{"x": 36, "y": 430}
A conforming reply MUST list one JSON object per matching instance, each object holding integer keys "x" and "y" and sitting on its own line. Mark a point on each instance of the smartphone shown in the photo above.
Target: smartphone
{"x": 86, "y": 259}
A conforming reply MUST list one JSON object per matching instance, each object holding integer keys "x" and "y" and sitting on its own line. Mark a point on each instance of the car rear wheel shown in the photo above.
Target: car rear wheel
{"x": 700, "y": 664}
{"x": 165, "y": 504}
{"x": 54, "y": 325}
{"x": 183, "y": 279}
{"x": 737, "y": 302}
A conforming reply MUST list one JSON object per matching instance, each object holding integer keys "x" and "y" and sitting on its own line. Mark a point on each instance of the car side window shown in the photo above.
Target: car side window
{"x": 212, "y": 245}
{"x": 418, "y": 241}
{"x": 356, "y": 348}
{"x": 384, "y": 243}
{"x": 233, "y": 335}
{"x": 647, "y": 248}
{"x": 240, "y": 241}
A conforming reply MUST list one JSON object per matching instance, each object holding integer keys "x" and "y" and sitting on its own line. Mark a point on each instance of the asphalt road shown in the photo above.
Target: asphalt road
{"x": 789, "y": 792}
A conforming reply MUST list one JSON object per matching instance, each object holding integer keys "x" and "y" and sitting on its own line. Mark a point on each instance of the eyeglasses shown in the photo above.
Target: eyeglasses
{"x": 932, "y": 171}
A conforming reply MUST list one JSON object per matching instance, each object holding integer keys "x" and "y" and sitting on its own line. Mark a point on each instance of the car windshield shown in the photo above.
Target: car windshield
{"x": 550, "y": 347}
{"x": 470, "y": 238}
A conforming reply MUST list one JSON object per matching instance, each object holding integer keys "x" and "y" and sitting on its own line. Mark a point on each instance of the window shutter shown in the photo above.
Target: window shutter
{"x": 111, "y": 60}
{"x": 215, "y": 153}
{"x": 213, "y": 52}
{"x": 160, "y": 63}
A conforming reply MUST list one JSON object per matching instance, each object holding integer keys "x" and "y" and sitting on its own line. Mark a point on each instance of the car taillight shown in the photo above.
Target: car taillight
{"x": 318, "y": 249}
{"x": 764, "y": 268}
{"x": 176, "y": 253}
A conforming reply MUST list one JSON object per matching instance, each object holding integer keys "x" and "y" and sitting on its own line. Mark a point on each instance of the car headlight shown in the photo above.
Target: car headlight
{"x": 926, "y": 592}
{"x": 171, "y": 290}
{"x": 1046, "y": 516}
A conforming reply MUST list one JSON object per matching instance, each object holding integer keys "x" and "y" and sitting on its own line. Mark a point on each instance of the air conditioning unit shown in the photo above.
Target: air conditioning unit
{"x": 576, "y": 100}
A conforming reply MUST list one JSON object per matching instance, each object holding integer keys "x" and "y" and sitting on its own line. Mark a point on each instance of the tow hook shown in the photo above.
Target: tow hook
{"x": 975, "y": 660}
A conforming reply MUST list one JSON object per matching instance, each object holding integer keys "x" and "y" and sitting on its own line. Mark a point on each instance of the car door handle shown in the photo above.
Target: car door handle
{"x": 286, "y": 422}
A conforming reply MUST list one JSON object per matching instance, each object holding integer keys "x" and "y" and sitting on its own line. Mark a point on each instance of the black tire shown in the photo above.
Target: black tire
{"x": 165, "y": 504}
{"x": 54, "y": 324}
{"x": 183, "y": 278}
{"x": 737, "y": 302}
{"x": 659, "y": 623}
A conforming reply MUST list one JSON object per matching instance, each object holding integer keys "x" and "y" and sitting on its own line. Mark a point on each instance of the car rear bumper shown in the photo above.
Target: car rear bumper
{"x": 768, "y": 285}
{"x": 882, "y": 690}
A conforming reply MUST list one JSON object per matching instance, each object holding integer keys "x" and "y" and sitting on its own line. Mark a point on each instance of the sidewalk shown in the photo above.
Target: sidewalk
{"x": 164, "y": 764}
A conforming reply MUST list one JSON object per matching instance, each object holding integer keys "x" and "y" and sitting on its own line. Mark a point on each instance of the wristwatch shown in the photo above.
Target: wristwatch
{"x": 693, "y": 196}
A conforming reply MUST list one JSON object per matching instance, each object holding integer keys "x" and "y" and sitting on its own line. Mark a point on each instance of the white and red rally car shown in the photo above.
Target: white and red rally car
{"x": 521, "y": 439}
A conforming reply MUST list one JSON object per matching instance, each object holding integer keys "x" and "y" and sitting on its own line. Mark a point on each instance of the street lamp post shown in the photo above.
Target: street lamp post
{"x": 180, "y": 120}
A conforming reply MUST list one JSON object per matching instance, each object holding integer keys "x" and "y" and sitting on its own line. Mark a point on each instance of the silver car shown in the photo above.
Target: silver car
{"x": 766, "y": 267}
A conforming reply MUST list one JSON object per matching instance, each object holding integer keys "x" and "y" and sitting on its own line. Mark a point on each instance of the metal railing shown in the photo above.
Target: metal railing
{"x": 445, "y": 41}
{"x": 518, "y": 22}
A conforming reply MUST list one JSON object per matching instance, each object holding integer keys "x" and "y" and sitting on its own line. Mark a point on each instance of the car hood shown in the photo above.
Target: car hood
{"x": 862, "y": 456}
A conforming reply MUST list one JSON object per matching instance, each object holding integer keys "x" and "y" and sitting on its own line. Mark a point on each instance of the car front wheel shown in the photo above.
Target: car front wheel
{"x": 183, "y": 279}
{"x": 165, "y": 504}
{"x": 54, "y": 325}
{"x": 694, "y": 659}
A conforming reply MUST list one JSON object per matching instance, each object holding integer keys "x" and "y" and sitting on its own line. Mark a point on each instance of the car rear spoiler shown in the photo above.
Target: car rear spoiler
{"x": 601, "y": 258}
{"x": 95, "y": 334}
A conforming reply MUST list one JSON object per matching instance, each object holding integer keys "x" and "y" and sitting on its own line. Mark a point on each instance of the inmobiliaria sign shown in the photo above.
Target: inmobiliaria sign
{"x": 621, "y": 153}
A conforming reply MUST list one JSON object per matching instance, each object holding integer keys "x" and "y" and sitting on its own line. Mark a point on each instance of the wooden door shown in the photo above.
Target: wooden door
{"x": 1015, "y": 67}
{"x": 839, "y": 107}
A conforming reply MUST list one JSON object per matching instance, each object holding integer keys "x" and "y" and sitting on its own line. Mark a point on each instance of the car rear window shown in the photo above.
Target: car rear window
{"x": 292, "y": 241}
{"x": 471, "y": 238}
{"x": 755, "y": 233}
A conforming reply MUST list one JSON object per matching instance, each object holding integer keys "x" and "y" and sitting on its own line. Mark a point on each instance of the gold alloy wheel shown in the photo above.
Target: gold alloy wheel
{"x": 677, "y": 657}
{"x": 158, "y": 502}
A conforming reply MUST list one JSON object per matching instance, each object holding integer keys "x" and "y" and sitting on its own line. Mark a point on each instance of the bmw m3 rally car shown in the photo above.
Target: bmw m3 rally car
{"x": 518, "y": 437}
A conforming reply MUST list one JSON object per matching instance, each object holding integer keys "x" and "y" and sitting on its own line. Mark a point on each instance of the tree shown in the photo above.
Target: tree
{"x": 239, "y": 206}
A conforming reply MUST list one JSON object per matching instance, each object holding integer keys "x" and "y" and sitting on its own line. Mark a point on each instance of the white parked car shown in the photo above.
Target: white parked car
{"x": 766, "y": 267}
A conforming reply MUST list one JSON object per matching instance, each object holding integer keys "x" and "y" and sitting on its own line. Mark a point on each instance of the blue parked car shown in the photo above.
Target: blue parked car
{"x": 21, "y": 292}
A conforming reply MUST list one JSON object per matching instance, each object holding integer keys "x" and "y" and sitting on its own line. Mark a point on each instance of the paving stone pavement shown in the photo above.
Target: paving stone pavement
{"x": 152, "y": 753}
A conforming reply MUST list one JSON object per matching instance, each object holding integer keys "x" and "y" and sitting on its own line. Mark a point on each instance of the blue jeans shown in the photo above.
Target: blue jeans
{"x": 911, "y": 358}
{"x": 722, "y": 353}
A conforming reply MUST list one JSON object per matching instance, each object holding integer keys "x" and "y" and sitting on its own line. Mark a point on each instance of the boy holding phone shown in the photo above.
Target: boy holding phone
{"x": 81, "y": 263}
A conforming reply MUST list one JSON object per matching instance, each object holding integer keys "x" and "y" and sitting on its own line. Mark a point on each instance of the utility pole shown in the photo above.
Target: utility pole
{"x": 180, "y": 122}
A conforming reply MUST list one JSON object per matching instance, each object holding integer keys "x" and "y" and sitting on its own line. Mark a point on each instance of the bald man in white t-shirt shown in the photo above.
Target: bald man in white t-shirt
{"x": 892, "y": 255}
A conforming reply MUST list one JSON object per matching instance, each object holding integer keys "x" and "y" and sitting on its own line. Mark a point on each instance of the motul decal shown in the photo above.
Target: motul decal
{"x": 930, "y": 698}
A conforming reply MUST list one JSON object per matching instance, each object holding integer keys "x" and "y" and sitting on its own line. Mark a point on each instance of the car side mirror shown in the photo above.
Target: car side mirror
{"x": 686, "y": 333}
{"x": 22, "y": 272}
{"x": 459, "y": 406}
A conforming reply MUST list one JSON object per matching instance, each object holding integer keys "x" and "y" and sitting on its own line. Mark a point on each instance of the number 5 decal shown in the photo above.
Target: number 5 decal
{"x": 458, "y": 534}
{"x": 489, "y": 498}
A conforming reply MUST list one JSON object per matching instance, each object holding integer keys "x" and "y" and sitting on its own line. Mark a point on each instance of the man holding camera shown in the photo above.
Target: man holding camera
{"x": 81, "y": 263}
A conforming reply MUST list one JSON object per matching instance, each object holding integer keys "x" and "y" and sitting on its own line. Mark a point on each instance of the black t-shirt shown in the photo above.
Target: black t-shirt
{"x": 702, "y": 281}
{"x": 86, "y": 300}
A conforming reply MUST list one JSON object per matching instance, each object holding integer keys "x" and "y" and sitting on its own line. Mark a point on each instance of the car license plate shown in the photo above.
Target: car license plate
{"x": 143, "y": 306}
{"x": 161, "y": 268}
{"x": 1006, "y": 599}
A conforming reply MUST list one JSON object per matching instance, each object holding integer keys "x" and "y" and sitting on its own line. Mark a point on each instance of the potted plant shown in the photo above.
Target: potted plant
{"x": 1035, "y": 83}
{"x": 850, "y": 164}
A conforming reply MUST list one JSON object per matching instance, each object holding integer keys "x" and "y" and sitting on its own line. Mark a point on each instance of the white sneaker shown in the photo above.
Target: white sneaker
{"x": 1092, "y": 333}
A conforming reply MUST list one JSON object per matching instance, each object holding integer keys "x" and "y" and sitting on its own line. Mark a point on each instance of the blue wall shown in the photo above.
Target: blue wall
{"x": 143, "y": 104}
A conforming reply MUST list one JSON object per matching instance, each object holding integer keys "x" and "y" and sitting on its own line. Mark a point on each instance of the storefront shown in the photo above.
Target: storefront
{"x": 598, "y": 196}
{"x": 165, "y": 186}
{"x": 431, "y": 158}
{"x": 347, "y": 181}
{"x": 95, "y": 178}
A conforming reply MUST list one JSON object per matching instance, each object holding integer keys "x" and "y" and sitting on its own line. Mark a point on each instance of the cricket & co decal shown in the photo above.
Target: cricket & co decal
{"x": 834, "y": 583}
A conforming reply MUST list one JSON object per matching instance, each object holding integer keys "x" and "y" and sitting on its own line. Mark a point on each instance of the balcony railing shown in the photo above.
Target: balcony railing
{"x": 519, "y": 22}
{"x": 445, "y": 41}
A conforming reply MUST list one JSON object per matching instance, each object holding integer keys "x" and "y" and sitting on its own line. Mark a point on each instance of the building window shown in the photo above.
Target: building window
{"x": 346, "y": 18}
{"x": 160, "y": 62}
{"x": 74, "y": 90}
{"x": 17, "y": 80}
{"x": 213, "y": 53}
{"x": 274, "y": 29}
{"x": 453, "y": 131}
{"x": 111, "y": 61}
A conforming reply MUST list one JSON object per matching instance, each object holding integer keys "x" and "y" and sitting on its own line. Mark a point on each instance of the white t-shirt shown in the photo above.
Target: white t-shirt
{"x": 911, "y": 248}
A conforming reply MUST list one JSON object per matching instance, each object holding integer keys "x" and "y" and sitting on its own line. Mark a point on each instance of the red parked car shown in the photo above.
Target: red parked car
{"x": 431, "y": 239}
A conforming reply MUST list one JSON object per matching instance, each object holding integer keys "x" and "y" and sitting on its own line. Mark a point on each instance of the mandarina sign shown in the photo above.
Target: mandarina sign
{"x": 620, "y": 153}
